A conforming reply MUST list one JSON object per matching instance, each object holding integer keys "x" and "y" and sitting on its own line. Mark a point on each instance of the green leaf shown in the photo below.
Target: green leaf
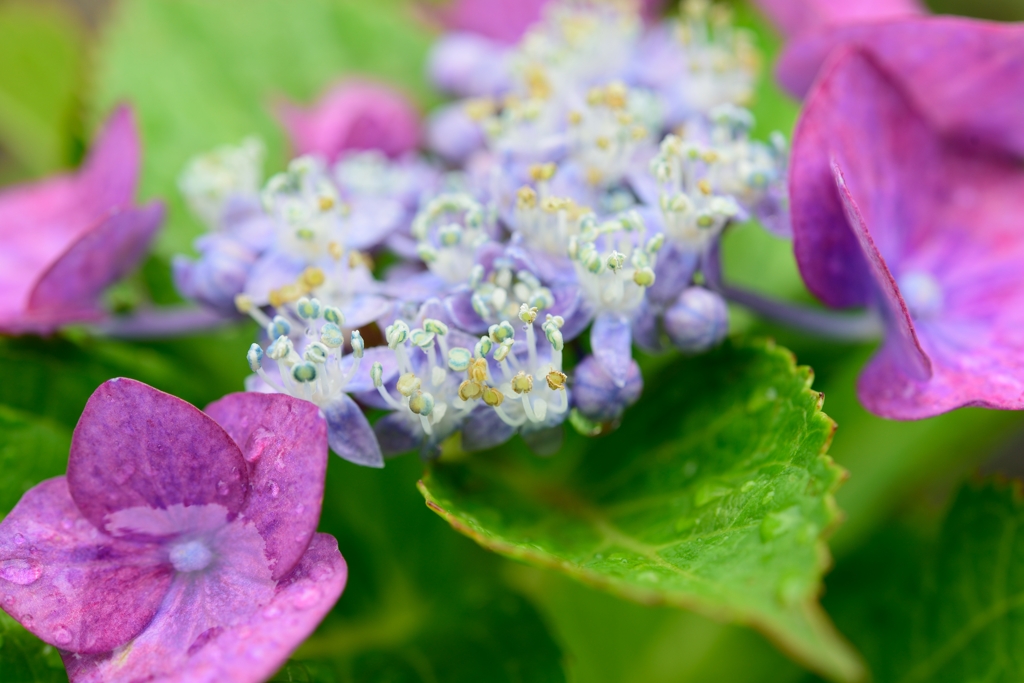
{"x": 422, "y": 604}
{"x": 40, "y": 73}
{"x": 941, "y": 609}
{"x": 26, "y": 659}
{"x": 31, "y": 449}
{"x": 203, "y": 74}
{"x": 714, "y": 495}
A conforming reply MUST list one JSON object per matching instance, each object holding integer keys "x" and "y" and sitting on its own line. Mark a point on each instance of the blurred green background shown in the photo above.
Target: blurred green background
{"x": 423, "y": 603}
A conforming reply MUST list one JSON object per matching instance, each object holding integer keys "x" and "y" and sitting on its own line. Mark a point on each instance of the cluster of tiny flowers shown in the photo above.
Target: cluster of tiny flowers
{"x": 588, "y": 192}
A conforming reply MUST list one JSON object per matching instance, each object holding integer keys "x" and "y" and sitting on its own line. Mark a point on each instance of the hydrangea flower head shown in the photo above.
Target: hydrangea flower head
{"x": 65, "y": 239}
{"x": 180, "y": 546}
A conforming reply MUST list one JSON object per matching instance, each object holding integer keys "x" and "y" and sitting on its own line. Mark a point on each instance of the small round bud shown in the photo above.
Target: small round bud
{"x": 315, "y": 353}
{"x": 255, "y": 357}
{"x": 408, "y": 384}
{"x": 697, "y": 321}
{"x": 522, "y": 383}
{"x": 330, "y": 334}
{"x": 527, "y": 313}
{"x": 435, "y": 327}
{"x": 470, "y": 390}
{"x": 280, "y": 348}
{"x": 377, "y": 374}
{"x": 333, "y": 314}
{"x": 396, "y": 334}
{"x": 502, "y": 350}
{"x": 483, "y": 347}
{"x": 278, "y": 327}
{"x": 308, "y": 309}
{"x": 243, "y": 303}
{"x": 304, "y": 372}
{"x": 422, "y": 338}
{"x": 502, "y": 331}
{"x": 358, "y": 345}
{"x": 493, "y": 397}
{"x": 459, "y": 359}
{"x": 643, "y": 277}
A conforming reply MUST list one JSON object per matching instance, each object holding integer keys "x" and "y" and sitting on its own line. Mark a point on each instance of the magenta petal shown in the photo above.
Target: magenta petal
{"x": 798, "y": 17}
{"x": 496, "y": 19}
{"x": 964, "y": 75}
{"x": 71, "y": 285}
{"x": 248, "y": 652}
{"x": 355, "y": 114}
{"x": 70, "y": 584}
{"x": 284, "y": 442}
{"x": 137, "y": 447}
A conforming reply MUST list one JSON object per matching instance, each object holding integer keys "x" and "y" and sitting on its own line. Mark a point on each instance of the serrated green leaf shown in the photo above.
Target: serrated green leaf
{"x": 26, "y": 659}
{"x": 946, "y": 609}
{"x": 714, "y": 495}
{"x": 40, "y": 73}
{"x": 31, "y": 449}
{"x": 423, "y": 605}
{"x": 203, "y": 74}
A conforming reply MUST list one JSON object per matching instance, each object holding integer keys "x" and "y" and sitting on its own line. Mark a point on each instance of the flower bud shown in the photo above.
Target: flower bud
{"x": 697, "y": 321}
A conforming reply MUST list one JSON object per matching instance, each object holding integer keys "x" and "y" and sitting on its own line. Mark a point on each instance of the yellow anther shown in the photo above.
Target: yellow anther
{"x": 478, "y": 370}
{"x": 616, "y": 95}
{"x": 243, "y": 303}
{"x": 556, "y": 380}
{"x": 537, "y": 83}
{"x": 408, "y": 384}
{"x": 526, "y": 198}
{"x": 325, "y": 203}
{"x": 624, "y": 118}
{"x": 575, "y": 118}
{"x": 710, "y": 156}
{"x": 359, "y": 258}
{"x": 479, "y": 109}
{"x": 704, "y": 186}
{"x": 602, "y": 142}
{"x": 555, "y": 204}
{"x": 470, "y": 390}
{"x": 335, "y": 250}
{"x": 522, "y": 383}
{"x": 638, "y": 132}
{"x": 542, "y": 172}
{"x": 493, "y": 397}
{"x": 275, "y": 299}
{"x": 595, "y": 96}
{"x": 312, "y": 277}
{"x": 291, "y": 292}
{"x": 594, "y": 176}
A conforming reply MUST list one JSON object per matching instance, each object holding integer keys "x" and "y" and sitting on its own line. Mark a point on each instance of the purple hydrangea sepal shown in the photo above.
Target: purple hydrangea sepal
{"x": 596, "y": 394}
{"x": 800, "y": 17}
{"x": 353, "y": 115}
{"x": 963, "y": 75}
{"x": 891, "y": 212}
{"x": 181, "y": 545}
{"x": 65, "y": 239}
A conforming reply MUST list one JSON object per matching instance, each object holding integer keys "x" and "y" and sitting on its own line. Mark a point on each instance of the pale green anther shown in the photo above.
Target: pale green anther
{"x": 308, "y": 309}
{"x": 705, "y": 220}
{"x": 255, "y": 357}
{"x": 632, "y": 221}
{"x": 592, "y": 261}
{"x": 396, "y": 334}
{"x": 419, "y": 227}
{"x": 655, "y": 244}
{"x": 483, "y": 347}
{"x": 502, "y": 350}
{"x": 377, "y": 374}
{"x": 574, "y": 247}
{"x": 435, "y": 327}
{"x": 476, "y": 276}
{"x": 479, "y": 304}
{"x": 422, "y": 403}
{"x": 426, "y": 253}
{"x": 554, "y": 336}
{"x": 640, "y": 259}
{"x": 679, "y": 203}
{"x": 474, "y": 218}
{"x": 643, "y": 277}
{"x": 529, "y": 278}
{"x": 330, "y": 334}
{"x": 279, "y": 327}
{"x": 358, "y": 345}
{"x": 527, "y": 313}
{"x": 315, "y": 353}
{"x": 542, "y": 298}
{"x": 304, "y": 372}
{"x": 422, "y": 338}
{"x": 408, "y": 384}
{"x": 459, "y": 359}
{"x": 305, "y": 234}
{"x": 333, "y": 314}
{"x": 280, "y": 348}
{"x": 450, "y": 235}
{"x": 502, "y": 331}
{"x": 555, "y": 321}
{"x": 616, "y": 260}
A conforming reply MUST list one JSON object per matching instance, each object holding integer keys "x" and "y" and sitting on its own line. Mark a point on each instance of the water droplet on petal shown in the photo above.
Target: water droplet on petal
{"x": 321, "y": 571}
{"x": 280, "y": 464}
{"x": 8, "y": 601}
{"x": 300, "y": 508}
{"x": 67, "y": 523}
{"x": 307, "y": 597}
{"x": 62, "y": 636}
{"x": 222, "y": 488}
{"x": 272, "y": 612}
{"x": 19, "y": 539}
{"x": 27, "y": 619}
{"x": 20, "y": 571}
{"x": 274, "y": 489}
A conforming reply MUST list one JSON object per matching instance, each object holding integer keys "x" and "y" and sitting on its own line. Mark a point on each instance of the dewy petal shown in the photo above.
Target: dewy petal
{"x": 135, "y": 446}
{"x": 73, "y": 283}
{"x": 40, "y": 222}
{"x": 354, "y": 114}
{"x": 70, "y": 584}
{"x": 798, "y": 17}
{"x": 350, "y": 434}
{"x": 611, "y": 340}
{"x": 963, "y": 75}
{"x": 248, "y": 652}
{"x": 284, "y": 442}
